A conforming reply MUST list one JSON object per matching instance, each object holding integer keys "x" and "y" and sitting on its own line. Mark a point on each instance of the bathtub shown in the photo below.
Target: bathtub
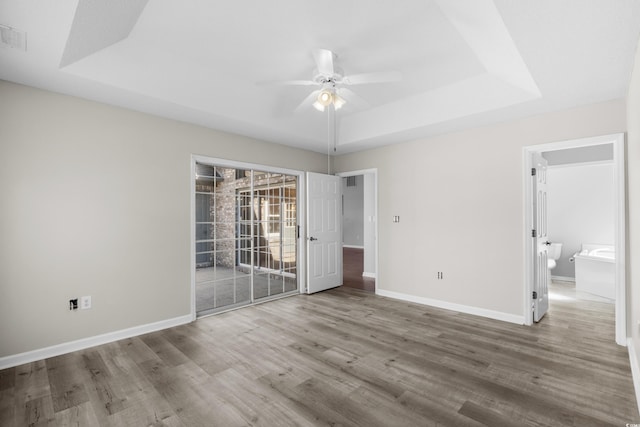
{"x": 596, "y": 270}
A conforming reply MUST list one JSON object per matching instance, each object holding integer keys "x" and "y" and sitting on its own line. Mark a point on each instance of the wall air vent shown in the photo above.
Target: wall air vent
{"x": 10, "y": 37}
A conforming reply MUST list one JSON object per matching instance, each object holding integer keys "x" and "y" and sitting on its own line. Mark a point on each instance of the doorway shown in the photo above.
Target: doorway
{"x": 359, "y": 240}
{"x": 245, "y": 234}
{"x": 581, "y": 147}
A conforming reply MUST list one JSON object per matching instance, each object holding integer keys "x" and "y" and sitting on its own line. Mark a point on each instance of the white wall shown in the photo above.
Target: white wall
{"x": 460, "y": 201}
{"x": 580, "y": 209}
{"x": 633, "y": 194}
{"x": 353, "y": 212}
{"x": 95, "y": 201}
{"x": 81, "y": 182}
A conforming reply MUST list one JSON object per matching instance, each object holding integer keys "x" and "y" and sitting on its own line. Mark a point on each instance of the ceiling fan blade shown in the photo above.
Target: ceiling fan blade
{"x": 366, "y": 78}
{"x": 287, "y": 83}
{"x": 307, "y": 102}
{"x": 324, "y": 60}
{"x": 353, "y": 99}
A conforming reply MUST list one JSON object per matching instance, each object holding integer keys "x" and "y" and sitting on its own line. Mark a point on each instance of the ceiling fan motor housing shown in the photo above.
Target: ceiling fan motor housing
{"x": 323, "y": 78}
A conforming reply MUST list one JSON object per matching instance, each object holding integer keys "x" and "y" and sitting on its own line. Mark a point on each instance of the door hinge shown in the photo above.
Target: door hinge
{"x": 298, "y": 233}
{"x": 533, "y": 233}
{"x": 533, "y": 171}
{"x": 535, "y": 295}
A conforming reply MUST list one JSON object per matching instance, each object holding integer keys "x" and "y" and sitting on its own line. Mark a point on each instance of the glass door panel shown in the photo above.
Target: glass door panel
{"x": 246, "y": 236}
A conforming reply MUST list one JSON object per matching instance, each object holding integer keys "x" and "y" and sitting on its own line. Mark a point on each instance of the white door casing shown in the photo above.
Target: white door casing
{"x": 324, "y": 232}
{"x": 618, "y": 141}
{"x": 540, "y": 239}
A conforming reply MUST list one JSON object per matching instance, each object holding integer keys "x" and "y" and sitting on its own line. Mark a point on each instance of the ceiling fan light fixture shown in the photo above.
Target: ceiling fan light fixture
{"x": 325, "y": 98}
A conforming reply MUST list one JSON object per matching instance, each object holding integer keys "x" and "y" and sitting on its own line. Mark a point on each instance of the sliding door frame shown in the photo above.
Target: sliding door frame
{"x": 301, "y": 213}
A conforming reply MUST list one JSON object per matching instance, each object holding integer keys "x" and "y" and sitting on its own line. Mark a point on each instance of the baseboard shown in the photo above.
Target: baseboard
{"x": 476, "y": 311}
{"x": 58, "y": 349}
{"x": 369, "y": 275}
{"x": 563, "y": 278}
{"x": 353, "y": 246}
{"x": 635, "y": 369}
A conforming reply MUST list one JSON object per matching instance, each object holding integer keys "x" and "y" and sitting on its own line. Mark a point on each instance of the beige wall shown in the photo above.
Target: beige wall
{"x": 633, "y": 191}
{"x": 460, "y": 201}
{"x": 81, "y": 186}
{"x": 95, "y": 201}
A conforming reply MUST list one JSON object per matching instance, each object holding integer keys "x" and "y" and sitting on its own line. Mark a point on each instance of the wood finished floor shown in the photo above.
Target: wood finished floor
{"x": 341, "y": 357}
{"x": 353, "y": 266}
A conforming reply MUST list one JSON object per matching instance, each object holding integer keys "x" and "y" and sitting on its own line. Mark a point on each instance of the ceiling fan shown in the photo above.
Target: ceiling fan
{"x": 331, "y": 94}
{"x": 332, "y": 82}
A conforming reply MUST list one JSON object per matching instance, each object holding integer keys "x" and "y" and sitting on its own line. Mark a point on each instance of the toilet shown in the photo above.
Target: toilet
{"x": 553, "y": 254}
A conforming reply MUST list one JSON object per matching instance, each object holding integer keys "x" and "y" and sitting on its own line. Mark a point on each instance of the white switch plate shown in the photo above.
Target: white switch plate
{"x": 85, "y": 302}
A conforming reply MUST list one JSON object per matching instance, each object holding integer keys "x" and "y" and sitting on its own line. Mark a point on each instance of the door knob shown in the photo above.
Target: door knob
{"x": 311, "y": 239}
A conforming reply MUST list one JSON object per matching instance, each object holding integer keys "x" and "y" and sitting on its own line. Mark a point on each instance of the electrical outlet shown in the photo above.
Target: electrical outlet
{"x": 85, "y": 302}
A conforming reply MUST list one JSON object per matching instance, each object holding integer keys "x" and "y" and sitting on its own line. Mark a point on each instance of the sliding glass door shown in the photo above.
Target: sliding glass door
{"x": 246, "y": 236}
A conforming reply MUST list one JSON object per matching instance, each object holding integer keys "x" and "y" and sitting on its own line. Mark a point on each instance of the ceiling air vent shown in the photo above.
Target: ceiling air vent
{"x": 13, "y": 38}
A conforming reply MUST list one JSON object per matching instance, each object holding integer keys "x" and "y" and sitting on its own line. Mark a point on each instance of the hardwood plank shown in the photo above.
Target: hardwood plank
{"x": 79, "y": 415}
{"x": 309, "y": 405}
{"x": 143, "y": 404}
{"x": 164, "y": 349}
{"x": 8, "y": 408}
{"x": 483, "y": 415}
{"x": 104, "y": 393}
{"x": 38, "y": 412}
{"x": 32, "y": 381}
{"x": 66, "y": 381}
{"x": 257, "y": 402}
{"x": 184, "y": 388}
{"x": 353, "y": 266}
{"x": 340, "y": 357}
{"x": 434, "y": 412}
{"x": 137, "y": 350}
{"x": 376, "y": 407}
{"x": 7, "y": 378}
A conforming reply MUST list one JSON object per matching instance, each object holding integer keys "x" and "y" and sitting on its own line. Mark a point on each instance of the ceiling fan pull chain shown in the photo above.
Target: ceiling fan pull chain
{"x": 328, "y": 143}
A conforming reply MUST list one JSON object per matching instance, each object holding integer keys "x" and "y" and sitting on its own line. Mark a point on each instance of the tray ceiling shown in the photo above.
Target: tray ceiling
{"x": 463, "y": 63}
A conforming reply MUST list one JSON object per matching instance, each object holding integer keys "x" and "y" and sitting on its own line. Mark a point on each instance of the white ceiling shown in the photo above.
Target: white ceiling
{"x": 464, "y": 63}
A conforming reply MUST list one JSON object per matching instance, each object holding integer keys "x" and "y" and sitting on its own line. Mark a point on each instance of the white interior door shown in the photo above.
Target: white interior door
{"x": 541, "y": 277}
{"x": 324, "y": 232}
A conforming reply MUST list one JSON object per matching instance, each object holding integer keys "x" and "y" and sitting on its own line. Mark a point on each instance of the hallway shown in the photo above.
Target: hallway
{"x": 353, "y": 261}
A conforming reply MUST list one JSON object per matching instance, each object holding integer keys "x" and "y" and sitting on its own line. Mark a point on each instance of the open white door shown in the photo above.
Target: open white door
{"x": 541, "y": 277}
{"x": 324, "y": 232}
